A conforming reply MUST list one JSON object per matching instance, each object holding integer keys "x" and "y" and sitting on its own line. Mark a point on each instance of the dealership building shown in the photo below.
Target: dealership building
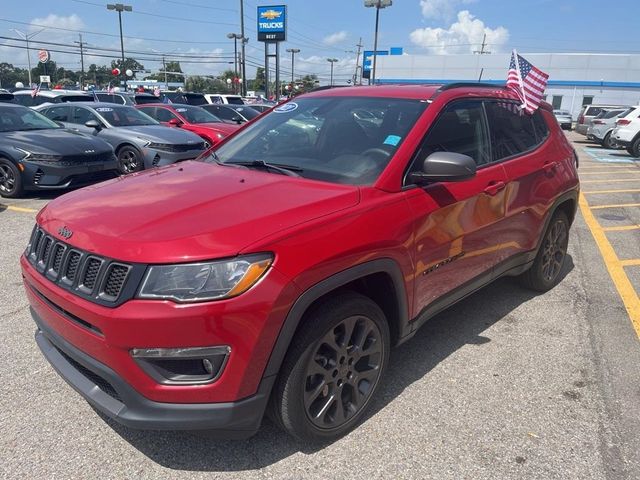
{"x": 575, "y": 79}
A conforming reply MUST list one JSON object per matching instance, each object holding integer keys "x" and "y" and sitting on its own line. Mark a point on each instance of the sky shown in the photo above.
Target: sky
{"x": 194, "y": 32}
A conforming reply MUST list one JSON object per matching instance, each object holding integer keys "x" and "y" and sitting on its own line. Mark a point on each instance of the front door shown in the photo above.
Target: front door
{"x": 455, "y": 222}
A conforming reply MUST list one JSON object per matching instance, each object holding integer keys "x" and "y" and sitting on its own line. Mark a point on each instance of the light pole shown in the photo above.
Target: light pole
{"x": 119, "y": 7}
{"x": 332, "y": 61}
{"x": 293, "y": 52}
{"x": 244, "y": 42}
{"x": 378, "y": 4}
{"x": 235, "y": 37}
{"x": 28, "y": 37}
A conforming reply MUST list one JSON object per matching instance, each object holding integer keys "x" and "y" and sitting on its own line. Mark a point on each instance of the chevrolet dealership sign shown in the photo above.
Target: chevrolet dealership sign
{"x": 272, "y": 23}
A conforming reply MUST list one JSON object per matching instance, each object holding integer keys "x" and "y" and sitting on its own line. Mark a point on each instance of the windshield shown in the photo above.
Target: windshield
{"x": 13, "y": 119}
{"x": 197, "y": 115}
{"x": 123, "y": 116}
{"x": 247, "y": 112}
{"x": 326, "y": 138}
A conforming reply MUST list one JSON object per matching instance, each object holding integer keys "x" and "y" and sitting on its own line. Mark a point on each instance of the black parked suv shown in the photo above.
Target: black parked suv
{"x": 39, "y": 154}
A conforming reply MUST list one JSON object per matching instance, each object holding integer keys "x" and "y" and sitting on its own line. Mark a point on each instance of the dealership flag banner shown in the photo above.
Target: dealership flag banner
{"x": 527, "y": 82}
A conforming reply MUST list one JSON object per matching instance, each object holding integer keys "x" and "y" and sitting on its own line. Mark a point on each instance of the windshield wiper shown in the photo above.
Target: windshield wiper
{"x": 290, "y": 170}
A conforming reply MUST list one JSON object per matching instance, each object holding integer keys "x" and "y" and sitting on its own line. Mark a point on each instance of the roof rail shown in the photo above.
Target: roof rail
{"x": 449, "y": 86}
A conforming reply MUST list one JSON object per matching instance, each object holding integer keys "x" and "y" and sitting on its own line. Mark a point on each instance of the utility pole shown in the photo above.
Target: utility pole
{"x": 482, "y": 51}
{"x": 81, "y": 43}
{"x": 293, "y": 52}
{"x": 164, "y": 67}
{"x": 355, "y": 75}
{"x": 332, "y": 61}
{"x": 243, "y": 68}
{"x": 28, "y": 37}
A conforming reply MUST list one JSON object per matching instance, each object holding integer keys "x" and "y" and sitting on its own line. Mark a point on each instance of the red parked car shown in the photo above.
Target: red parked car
{"x": 192, "y": 118}
{"x": 280, "y": 269}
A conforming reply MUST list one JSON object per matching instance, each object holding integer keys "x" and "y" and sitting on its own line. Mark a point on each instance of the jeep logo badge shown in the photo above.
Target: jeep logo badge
{"x": 65, "y": 232}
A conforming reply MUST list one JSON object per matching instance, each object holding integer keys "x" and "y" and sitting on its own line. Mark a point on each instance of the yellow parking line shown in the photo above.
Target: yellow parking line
{"x": 614, "y": 266}
{"x": 617, "y": 205}
{"x": 633, "y": 190}
{"x": 606, "y": 172}
{"x": 18, "y": 209}
{"x": 612, "y": 180}
{"x": 622, "y": 228}
{"x": 630, "y": 263}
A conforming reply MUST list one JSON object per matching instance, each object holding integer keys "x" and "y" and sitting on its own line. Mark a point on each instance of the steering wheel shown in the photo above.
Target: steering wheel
{"x": 377, "y": 151}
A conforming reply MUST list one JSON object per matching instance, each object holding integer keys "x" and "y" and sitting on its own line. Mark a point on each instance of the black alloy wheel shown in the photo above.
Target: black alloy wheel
{"x": 10, "y": 179}
{"x": 332, "y": 369}
{"x": 129, "y": 160}
{"x": 634, "y": 148}
{"x": 343, "y": 371}
{"x": 545, "y": 272}
{"x": 608, "y": 141}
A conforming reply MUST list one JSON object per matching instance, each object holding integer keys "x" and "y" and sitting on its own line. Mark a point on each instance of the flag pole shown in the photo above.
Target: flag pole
{"x": 515, "y": 56}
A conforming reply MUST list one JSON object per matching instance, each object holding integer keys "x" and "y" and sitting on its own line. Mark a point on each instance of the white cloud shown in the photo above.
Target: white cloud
{"x": 335, "y": 38}
{"x": 463, "y": 36}
{"x": 442, "y": 8}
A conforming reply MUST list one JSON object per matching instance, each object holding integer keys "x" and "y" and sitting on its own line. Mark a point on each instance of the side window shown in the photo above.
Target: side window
{"x": 511, "y": 129}
{"x": 540, "y": 126}
{"x": 163, "y": 115}
{"x": 151, "y": 111}
{"x": 81, "y": 116}
{"x": 460, "y": 128}
{"x": 26, "y": 100}
{"x": 226, "y": 113}
{"x": 58, "y": 114}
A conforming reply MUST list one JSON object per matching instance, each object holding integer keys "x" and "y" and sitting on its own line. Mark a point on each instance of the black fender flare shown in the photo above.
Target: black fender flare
{"x": 304, "y": 301}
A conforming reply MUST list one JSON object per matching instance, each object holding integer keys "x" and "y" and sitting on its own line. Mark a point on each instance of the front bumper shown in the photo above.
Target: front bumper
{"x": 53, "y": 175}
{"x": 107, "y": 392}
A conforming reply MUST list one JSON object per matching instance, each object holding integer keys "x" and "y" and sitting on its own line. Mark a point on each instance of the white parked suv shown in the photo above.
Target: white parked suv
{"x": 627, "y": 131}
{"x": 225, "y": 99}
{"x": 25, "y": 97}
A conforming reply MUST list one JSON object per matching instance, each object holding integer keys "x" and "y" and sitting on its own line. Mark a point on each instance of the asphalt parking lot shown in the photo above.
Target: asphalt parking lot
{"x": 506, "y": 384}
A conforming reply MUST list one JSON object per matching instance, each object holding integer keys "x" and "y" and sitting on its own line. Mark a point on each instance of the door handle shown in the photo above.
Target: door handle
{"x": 494, "y": 187}
{"x": 549, "y": 167}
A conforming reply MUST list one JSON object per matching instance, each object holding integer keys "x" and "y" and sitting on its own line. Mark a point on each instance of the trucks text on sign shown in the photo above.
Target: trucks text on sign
{"x": 272, "y": 23}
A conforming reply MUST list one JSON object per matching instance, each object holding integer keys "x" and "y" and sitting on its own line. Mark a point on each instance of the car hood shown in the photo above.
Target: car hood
{"x": 189, "y": 211}
{"x": 55, "y": 141}
{"x": 162, "y": 134}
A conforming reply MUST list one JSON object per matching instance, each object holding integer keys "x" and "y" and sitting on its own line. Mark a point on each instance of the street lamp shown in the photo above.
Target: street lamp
{"x": 378, "y": 4}
{"x": 332, "y": 61}
{"x": 293, "y": 52}
{"x": 119, "y": 7}
{"x": 235, "y": 37}
{"x": 28, "y": 37}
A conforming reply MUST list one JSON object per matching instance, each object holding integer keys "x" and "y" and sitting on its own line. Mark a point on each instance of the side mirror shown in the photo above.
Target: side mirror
{"x": 60, "y": 124}
{"x": 175, "y": 122}
{"x": 236, "y": 119}
{"x": 445, "y": 167}
{"x": 93, "y": 124}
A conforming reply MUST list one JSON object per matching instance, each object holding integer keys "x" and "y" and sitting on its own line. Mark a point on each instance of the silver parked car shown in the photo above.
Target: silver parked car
{"x": 138, "y": 140}
{"x": 564, "y": 119}
{"x": 26, "y": 97}
{"x": 588, "y": 113}
{"x": 602, "y": 126}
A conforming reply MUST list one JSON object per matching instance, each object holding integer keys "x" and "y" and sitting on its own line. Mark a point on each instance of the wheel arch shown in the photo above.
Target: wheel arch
{"x": 373, "y": 279}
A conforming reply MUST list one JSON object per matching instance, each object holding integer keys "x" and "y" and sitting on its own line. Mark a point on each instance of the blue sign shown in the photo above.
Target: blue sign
{"x": 367, "y": 62}
{"x": 272, "y": 23}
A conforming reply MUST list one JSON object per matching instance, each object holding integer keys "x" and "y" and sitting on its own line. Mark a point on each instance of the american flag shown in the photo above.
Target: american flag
{"x": 36, "y": 90}
{"x": 527, "y": 82}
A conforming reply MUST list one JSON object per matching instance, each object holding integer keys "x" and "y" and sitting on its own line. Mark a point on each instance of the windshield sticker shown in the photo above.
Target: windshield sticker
{"x": 104, "y": 109}
{"x": 392, "y": 140}
{"x": 181, "y": 109}
{"x": 286, "y": 108}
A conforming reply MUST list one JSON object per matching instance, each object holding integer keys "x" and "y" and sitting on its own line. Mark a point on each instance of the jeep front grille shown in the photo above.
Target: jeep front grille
{"x": 93, "y": 277}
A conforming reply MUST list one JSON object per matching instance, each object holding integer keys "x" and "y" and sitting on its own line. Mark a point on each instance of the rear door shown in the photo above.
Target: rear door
{"x": 533, "y": 167}
{"x": 457, "y": 223}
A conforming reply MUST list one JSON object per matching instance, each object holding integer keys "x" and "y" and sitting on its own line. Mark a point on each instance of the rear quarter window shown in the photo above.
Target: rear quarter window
{"x": 512, "y": 131}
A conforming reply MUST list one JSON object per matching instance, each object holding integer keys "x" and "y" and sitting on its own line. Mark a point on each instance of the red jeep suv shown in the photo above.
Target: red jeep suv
{"x": 275, "y": 274}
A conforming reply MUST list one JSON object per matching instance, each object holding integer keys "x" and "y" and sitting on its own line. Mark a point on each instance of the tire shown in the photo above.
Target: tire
{"x": 607, "y": 142}
{"x": 10, "y": 179}
{"x": 129, "y": 160}
{"x": 329, "y": 376}
{"x": 547, "y": 267}
{"x": 634, "y": 148}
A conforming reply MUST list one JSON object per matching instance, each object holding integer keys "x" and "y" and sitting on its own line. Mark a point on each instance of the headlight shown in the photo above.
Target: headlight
{"x": 159, "y": 146}
{"x": 37, "y": 156}
{"x": 196, "y": 282}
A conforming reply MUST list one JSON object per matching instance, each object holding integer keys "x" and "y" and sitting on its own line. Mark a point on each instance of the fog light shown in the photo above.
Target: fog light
{"x": 182, "y": 366}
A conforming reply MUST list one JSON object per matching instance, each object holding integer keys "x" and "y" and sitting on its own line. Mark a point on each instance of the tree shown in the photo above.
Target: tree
{"x": 170, "y": 67}
{"x": 258, "y": 83}
{"x": 309, "y": 82}
{"x": 129, "y": 64}
{"x": 9, "y": 75}
{"x": 99, "y": 75}
{"x": 204, "y": 85}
